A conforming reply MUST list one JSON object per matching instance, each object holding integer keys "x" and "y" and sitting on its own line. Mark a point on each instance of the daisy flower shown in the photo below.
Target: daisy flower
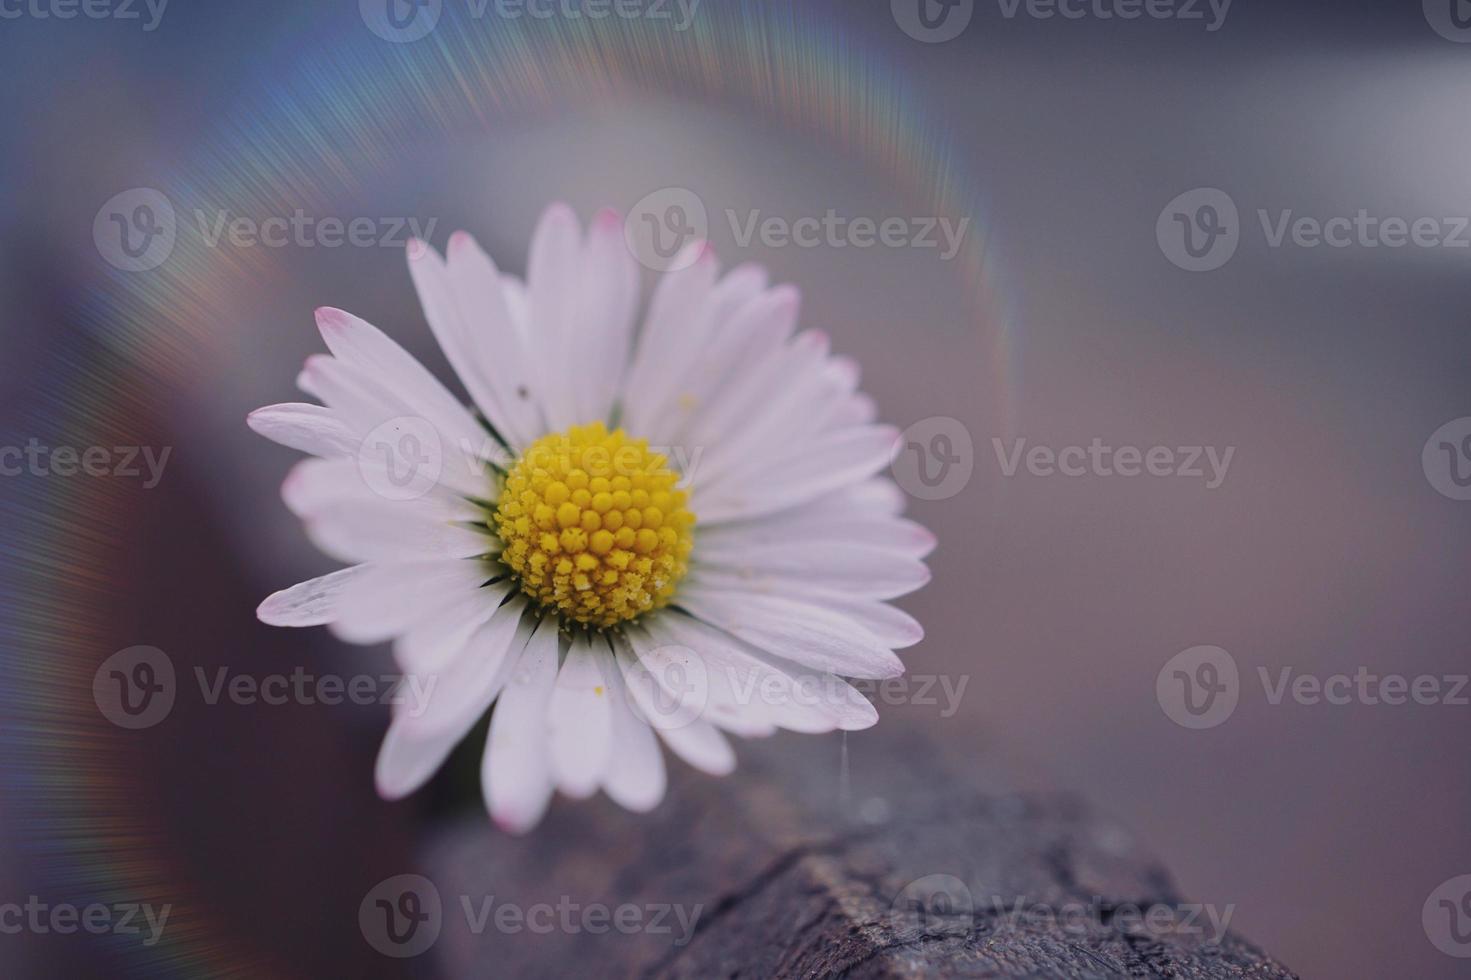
{"x": 670, "y": 534}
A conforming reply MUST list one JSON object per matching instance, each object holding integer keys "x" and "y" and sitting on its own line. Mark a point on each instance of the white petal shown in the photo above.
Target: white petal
{"x": 851, "y": 569}
{"x": 361, "y": 531}
{"x": 891, "y": 627}
{"x": 635, "y": 776}
{"x": 492, "y": 337}
{"x": 386, "y": 600}
{"x": 692, "y": 684}
{"x": 677, "y": 306}
{"x": 580, "y": 723}
{"x": 460, "y": 691}
{"x": 685, "y": 343}
{"x": 801, "y": 528}
{"x": 830, "y": 463}
{"x": 856, "y": 409}
{"x": 786, "y": 694}
{"x": 756, "y": 331}
{"x": 767, "y": 411}
{"x": 421, "y": 736}
{"x": 800, "y": 632}
{"x": 306, "y": 428}
{"x": 408, "y": 759}
{"x": 666, "y": 686}
{"x": 515, "y": 772}
{"x": 374, "y": 411}
{"x": 357, "y": 342}
{"x": 317, "y": 485}
{"x": 553, "y": 271}
{"x": 701, "y": 745}
{"x": 469, "y": 352}
{"x": 310, "y": 603}
{"x": 434, "y": 643}
{"x": 603, "y": 328}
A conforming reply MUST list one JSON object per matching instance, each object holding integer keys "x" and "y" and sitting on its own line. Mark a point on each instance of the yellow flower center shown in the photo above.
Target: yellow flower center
{"x": 593, "y": 526}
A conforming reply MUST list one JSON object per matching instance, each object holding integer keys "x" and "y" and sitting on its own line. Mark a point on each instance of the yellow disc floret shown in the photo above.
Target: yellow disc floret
{"x": 593, "y": 525}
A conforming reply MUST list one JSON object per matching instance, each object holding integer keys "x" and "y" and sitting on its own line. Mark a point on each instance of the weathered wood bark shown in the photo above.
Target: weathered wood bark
{"x": 902, "y": 868}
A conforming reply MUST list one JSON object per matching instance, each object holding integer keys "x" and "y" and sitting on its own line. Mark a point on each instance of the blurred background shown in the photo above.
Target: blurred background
{"x": 1133, "y": 270}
